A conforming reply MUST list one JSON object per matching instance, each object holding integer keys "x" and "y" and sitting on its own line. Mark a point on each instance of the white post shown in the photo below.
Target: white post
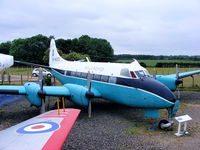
{"x": 179, "y": 130}
{"x": 185, "y": 127}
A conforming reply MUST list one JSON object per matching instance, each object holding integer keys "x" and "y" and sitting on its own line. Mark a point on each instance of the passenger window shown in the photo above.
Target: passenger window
{"x": 104, "y": 78}
{"x": 73, "y": 73}
{"x": 68, "y": 73}
{"x": 125, "y": 72}
{"x": 84, "y": 75}
{"x": 112, "y": 80}
{"x": 97, "y": 77}
{"x": 90, "y": 76}
{"x": 78, "y": 74}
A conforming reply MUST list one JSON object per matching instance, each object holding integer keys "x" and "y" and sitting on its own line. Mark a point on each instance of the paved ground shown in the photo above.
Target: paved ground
{"x": 115, "y": 126}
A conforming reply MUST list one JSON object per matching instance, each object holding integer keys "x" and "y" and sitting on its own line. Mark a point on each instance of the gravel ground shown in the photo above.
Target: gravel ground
{"x": 114, "y": 126}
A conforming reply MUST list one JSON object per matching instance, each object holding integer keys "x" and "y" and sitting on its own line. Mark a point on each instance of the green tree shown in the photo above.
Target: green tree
{"x": 30, "y": 49}
{"x": 64, "y": 45}
{"x": 5, "y": 47}
{"x": 73, "y": 56}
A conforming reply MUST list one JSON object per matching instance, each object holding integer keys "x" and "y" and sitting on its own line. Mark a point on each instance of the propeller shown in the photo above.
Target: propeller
{"x": 89, "y": 94}
{"x": 41, "y": 83}
{"x": 178, "y": 81}
{"x": 154, "y": 73}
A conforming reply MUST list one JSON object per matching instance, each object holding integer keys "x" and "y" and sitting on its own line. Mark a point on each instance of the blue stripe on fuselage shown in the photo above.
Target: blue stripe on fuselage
{"x": 123, "y": 94}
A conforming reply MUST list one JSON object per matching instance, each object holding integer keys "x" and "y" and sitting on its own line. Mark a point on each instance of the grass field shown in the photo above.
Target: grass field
{"x": 152, "y": 63}
{"x": 19, "y": 71}
{"x": 188, "y": 82}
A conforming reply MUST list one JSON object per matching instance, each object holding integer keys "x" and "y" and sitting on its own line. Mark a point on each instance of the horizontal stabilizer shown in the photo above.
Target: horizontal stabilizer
{"x": 31, "y": 64}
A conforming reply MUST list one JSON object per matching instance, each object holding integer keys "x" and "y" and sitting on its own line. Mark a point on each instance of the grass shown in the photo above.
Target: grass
{"x": 19, "y": 71}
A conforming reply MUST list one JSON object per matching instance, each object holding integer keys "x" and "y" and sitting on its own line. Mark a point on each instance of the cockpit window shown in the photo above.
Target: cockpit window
{"x": 133, "y": 74}
{"x": 125, "y": 72}
{"x": 146, "y": 73}
{"x": 140, "y": 73}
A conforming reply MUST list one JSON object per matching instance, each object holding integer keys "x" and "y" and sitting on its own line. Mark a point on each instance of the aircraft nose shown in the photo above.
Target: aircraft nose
{"x": 158, "y": 88}
{"x": 150, "y": 85}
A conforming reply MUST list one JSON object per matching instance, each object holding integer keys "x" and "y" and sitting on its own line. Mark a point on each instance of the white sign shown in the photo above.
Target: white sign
{"x": 183, "y": 118}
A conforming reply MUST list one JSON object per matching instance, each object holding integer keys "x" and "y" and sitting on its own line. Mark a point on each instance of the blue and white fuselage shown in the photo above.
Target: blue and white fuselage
{"x": 128, "y": 84}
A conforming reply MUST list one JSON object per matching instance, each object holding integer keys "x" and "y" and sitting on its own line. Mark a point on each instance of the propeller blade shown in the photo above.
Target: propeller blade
{"x": 89, "y": 82}
{"x": 89, "y": 94}
{"x": 178, "y": 93}
{"x": 43, "y": 109}
{"x": 178, "y": 81}
{"x": 89, "y": 108}
{"x": 177, "y": 71}
{"x": 41, "y": 83}
{"x": 154, "y": 73}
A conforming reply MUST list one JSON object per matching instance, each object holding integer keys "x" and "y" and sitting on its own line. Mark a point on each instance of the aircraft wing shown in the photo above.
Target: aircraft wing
{"x": 56, "y": 91}
{"x": 185, "y": 74}
{"x": 46, "y": 131}
{"x": 24, "y": 90}
{"x": 8, "y": 89}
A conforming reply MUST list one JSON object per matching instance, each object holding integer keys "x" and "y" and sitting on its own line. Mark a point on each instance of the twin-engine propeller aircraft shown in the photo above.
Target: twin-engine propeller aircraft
{"x": 128, "y": 84}
{"x": 47, "y": 131}
{"x": 6, "y": 61}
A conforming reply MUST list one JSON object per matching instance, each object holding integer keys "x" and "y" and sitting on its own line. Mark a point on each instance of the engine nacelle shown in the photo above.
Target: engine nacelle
{"x": 78, "y": 94}
{"x": 167, "y": 81}
{"x": 32, "y": 93}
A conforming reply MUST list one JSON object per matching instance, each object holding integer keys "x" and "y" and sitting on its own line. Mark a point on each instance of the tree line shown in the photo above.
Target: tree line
{"x": 36, "y": 49}
{"x": 153, "y": 57}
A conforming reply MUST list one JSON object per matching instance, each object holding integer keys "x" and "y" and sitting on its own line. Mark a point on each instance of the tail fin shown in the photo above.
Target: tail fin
{"x": 54, "y": 57}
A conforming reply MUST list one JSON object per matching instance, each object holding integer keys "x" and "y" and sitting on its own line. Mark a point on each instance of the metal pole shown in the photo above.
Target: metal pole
{"x": 192, "y": 81}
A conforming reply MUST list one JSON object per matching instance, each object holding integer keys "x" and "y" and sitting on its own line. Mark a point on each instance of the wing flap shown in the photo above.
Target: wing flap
{"x": 46, "y": 131}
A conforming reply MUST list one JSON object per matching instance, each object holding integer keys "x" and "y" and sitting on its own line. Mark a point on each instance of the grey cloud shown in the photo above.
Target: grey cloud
{"x": 131, "y": 26}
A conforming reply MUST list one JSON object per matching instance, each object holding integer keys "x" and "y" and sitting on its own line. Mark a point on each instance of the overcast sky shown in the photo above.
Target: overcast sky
{"x": 158, "y": 27}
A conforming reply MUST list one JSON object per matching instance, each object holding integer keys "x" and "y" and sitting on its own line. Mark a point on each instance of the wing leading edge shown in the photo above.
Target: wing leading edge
{"x": 185, "y": 74}
{"x": 46, "y": 131}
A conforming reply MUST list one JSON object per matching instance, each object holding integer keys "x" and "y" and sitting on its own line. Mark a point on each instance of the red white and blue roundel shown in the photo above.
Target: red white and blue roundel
{"x": 39, "y": 127}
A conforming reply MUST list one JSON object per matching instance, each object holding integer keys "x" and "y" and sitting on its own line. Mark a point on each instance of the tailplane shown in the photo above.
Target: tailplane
{"x": 54, "y": 57}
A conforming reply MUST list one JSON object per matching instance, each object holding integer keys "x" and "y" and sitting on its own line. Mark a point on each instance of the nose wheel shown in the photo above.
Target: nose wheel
{"x": 164, "y": 124}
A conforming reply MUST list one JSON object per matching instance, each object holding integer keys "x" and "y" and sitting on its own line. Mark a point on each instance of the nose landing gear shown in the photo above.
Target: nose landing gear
{"x": 165, "y": 124}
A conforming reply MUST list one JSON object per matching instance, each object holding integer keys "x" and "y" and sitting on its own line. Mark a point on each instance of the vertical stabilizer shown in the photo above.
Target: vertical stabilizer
{"x": 54, "y": 57}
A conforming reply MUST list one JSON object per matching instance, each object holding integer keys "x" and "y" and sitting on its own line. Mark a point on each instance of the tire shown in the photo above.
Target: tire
{"x": 34, "y": 74}
{"x": 161, "y": 122}
{"x": 49, "y": 75}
